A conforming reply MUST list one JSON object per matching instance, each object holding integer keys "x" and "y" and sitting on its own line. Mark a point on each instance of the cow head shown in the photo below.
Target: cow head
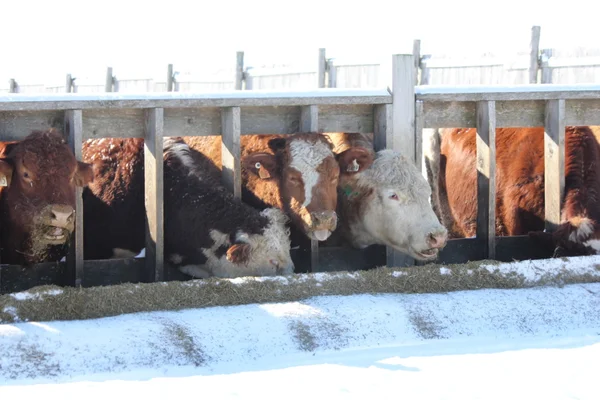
{"x": 306, "y": 171}
{"x": 248, "y": 254}
{"x": 388, "y": 204}
{"x": 39, "y": 175}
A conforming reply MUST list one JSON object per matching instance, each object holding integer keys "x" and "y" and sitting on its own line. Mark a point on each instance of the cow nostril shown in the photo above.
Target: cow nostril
{"x": 275, "y": 263}
{"x": 52, "y": 215}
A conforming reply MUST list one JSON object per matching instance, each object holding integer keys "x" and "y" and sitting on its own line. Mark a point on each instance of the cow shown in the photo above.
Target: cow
{"x": 297, "y": 173}
{"x": 386, "y": 203}
{"x": 520, "y": 187}
{"x": 38, "y": 176}
{"x": 207, "y": 231}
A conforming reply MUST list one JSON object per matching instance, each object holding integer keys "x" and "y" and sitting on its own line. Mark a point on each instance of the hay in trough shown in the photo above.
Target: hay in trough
{"x": 47, "y": 303}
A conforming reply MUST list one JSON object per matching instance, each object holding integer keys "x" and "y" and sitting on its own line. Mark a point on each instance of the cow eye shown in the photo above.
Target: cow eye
{"x": 394, "y": 196}
{"x": 25, "y": 175}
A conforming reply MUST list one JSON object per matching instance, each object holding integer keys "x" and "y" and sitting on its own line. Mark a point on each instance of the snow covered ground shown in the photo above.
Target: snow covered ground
{"x": 537, "y": 343}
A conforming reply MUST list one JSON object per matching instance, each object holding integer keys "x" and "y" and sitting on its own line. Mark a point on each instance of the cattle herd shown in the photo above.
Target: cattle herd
{"x": 329, "y": 187}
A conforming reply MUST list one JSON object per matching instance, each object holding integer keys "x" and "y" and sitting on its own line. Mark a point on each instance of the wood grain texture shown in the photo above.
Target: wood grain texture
{"x": 554, "y": 162}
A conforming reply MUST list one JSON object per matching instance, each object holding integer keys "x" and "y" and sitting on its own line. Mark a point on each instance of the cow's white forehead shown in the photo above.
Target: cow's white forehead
{"x": 390, "y": 168}
{"x": 305, "y": 158}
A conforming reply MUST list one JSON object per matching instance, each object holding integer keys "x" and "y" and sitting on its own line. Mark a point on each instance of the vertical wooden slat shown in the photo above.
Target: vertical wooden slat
{"x": 153, "y": 171}
{"x": 74, "y": 132}
{"x": 309, "y": 122}
{"x": 417, "y": 58}
{"x": 230, "y": 149}
{"x": 403, "y": 125}
{"x": 382, "y": 129}
{"x": 239, "y": 70}
{"x": 554, "y": 161}
{"x": 170, "y": 78}
{"x": 69, "y": 84}
{"x": 322, "y": 65}
{"x": 332, "y": 74}
{"x": 534, "y": 54}
{"x": 108, "y": 85}
{"x": 425, "y": 71}
{"x": 12, "y": 86}
{"x": 546, "y": 70}
{"x": 486, "y": 176}
{"x": 419, "y": 124}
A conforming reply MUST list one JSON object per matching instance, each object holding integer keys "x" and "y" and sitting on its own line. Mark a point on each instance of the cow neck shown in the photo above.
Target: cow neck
{"x": 349, "y": 192}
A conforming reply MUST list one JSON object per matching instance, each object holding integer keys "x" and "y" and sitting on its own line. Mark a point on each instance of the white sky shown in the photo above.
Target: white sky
{"x": 44, "y": 40}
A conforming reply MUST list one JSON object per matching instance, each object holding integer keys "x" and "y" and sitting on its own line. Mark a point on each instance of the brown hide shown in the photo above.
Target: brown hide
{"x": 38, "y": 203}
{"x": 268, "y": 179}
{"x": 520, "y": 184}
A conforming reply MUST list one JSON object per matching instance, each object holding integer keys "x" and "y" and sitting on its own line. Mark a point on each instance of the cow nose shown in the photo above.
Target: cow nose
{"x": 61, "y": 216}
{"x": 324, "y": 220}
{"x": 437, "y": 240}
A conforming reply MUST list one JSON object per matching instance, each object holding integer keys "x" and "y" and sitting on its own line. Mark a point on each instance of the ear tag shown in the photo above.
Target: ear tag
{"x": 3, "y": 181}
{"x": 353, "y": 167}
{"x": 263, "y": 173}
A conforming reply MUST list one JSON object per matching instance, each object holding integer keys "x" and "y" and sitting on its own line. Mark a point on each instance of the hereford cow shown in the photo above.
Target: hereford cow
{"x": 207, "y": 231}
{"x": 386, "y": 203}
{"x": 520, "y": 186}
{"x": 38, "y": 176}
{"x": 297, "y": 173}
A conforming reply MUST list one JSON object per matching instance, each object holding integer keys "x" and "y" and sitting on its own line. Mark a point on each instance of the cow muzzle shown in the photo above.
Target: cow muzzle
{"x": 436, "y": 241}
{"x": 58, "y": 223}
{"x": 323, "y": 224}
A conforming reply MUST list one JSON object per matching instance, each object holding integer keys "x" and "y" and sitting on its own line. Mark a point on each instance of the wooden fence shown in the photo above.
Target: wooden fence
{"x": 396, "y": 118}
{"x": 537, "y": 65}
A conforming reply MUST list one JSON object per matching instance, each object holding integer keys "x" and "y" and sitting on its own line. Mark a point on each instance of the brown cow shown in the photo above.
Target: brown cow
{"x": 520, "y": 186}
{"x": 207, "y": 231}
{"x": 38, "y": 175}
{"x": 297, "y": 173}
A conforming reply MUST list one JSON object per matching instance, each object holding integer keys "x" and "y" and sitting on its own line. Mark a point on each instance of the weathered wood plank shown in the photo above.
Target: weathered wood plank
{"x": 417, "y": 58}
{"x": 239, "y": 70}
{"x": 403, "y": 125}
{"x": 261, "y": 120}
{"x": 486, "y": 176}
{"x": 15, "y": 125}
{"x": 525, "y": 113}
{"x": 544, "y": 64}
{"x": 119, "y": 123}
{"x": 230, "y": 150}
{"x": 153, "y": 172}
{"x": 321, "y": 68}
{"x": 419, "y": 119}
{"x": 255, "y": 98}
{"x": 192, "y": 121}
{"x": 382, "y": 126}
{"x": 69, "y": 84}
{"x": 331, "y": 74}
{"x": 534, "y": 51}
{"x": 110, "y": 80}
{"x": 501, "y": 92}
{"x": 170, "y": 78}
{"x": 554, "y": 162}
{"x": 13, "y": 87}
{"x": 346, "y": 118}
{"x": 74, "y": 131}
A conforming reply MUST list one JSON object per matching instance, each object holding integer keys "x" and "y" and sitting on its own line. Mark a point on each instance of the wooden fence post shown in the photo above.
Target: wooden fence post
{"x": 425, "y": 71}
{"x": 554, "y": 161}
{"x": 546, "y": 70}
{"x": 230, "y": 149}
{"x": 403, "y": 125}
{"x": 170, "y": 78}
{"x": 486, "y": 176}
{"x": 417, "y": 56}
{"x": 108, "y": 86}
{"x": 534, "y": 54}
{"x": 331, "y": 74}
{"x": 13, "y": 87}
{"x": 239, "y": 70}
{"x": 321, "y": 69}
{"x": 153, "y": 175}
{"x": 69, "y": 84}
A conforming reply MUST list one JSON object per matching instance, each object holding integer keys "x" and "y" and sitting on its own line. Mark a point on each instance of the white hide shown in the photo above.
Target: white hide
{"x": 404, "y": 223}
{"x": 306, "y": 158}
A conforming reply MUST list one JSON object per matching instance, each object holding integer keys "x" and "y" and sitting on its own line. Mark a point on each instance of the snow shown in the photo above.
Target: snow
{"x": 526, "y": 88}
{"x": 36, "y": 296}
{"x": 531, "y": 343}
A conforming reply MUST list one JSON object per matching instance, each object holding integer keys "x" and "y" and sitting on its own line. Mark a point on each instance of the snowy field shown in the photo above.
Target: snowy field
{"x": 536, "y": 343}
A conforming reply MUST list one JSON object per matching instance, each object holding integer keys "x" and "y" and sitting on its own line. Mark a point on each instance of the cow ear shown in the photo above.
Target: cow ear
{"x": 277, "y": 144}
{"x": 238, "y": 253}
{"x": 6, "y": 171}
{"x": 84, "y": 174}
{"x": 354, "y": 160}
{"x": 263, "y": 165}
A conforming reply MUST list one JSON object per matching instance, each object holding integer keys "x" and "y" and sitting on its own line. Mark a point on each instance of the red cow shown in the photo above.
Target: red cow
{"x": 520, "y": 187}
{"x": 38, "y": 176}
